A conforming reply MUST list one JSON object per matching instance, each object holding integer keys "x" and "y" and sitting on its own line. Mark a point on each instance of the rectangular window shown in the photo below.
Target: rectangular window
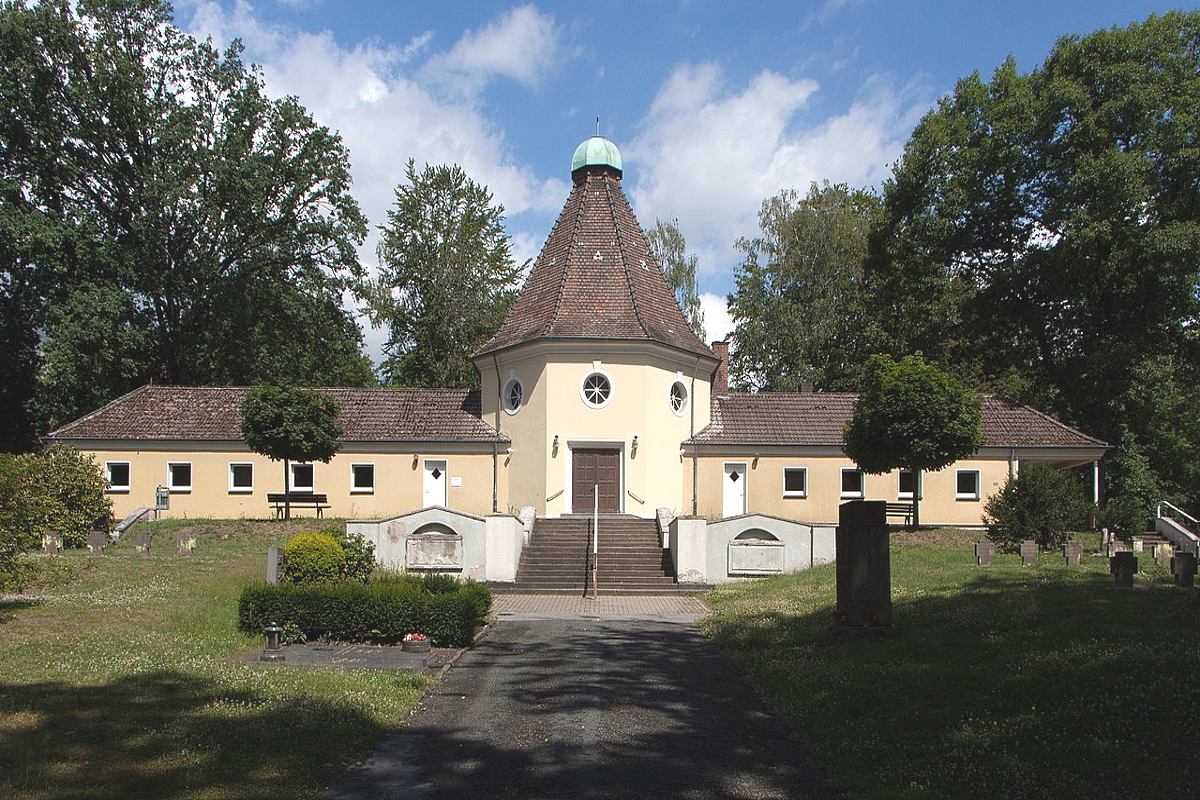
{"x": 966, "y": 485}
{"x": 241, "y": 478}
{"x": 362, "y": 478}
{"x": 117, "y": 473}
{"x": 179, "y": 476}
{"x": 302, "y": 478}
{"x": 908, "y": 485}
{"x": 795, "y": 482}
{"x": 852, "y": 482}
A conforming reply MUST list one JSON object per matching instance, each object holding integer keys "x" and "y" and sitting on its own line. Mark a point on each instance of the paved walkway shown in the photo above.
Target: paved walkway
{"x": 565, "y": 698}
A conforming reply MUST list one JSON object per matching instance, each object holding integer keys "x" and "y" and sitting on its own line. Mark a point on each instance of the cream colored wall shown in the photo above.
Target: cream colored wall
{"x": 399, "y": 485}
{"x": 764, "y": 487}
{"x": 640, "y": 404}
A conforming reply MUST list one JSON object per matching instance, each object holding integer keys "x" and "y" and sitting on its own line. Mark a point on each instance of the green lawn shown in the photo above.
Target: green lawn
{"x": 999, "y": 682}
{"x": 132, "y": 681}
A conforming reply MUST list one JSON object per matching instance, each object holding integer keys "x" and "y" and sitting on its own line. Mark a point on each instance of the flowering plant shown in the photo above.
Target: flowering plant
{"x": 415, "y": 637}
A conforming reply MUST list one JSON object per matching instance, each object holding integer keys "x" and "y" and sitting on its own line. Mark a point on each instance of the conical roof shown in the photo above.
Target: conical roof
{"x": 596, "y": 277}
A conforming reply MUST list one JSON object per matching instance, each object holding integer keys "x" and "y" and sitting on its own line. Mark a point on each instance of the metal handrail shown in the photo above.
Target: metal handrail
{"x": 595, "y": 540}
{"x": 1177, "y": 510}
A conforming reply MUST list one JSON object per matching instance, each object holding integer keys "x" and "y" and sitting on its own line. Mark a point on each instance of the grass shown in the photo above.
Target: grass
{"x": 999, "y": 682}
{"x": 131, "y": 681}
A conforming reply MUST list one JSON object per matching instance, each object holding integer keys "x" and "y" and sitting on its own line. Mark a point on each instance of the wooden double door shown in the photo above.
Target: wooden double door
{"x": 593, "y": 467}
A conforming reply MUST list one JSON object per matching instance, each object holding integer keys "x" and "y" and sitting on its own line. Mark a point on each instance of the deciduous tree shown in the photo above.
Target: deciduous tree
{"x": 670, "y": 249}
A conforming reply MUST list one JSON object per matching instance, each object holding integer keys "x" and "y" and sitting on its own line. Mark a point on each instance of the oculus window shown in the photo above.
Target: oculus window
{"x": 514, "y": 396}
{"x": 679, "y": 398}
{"x": 596, "y": 389}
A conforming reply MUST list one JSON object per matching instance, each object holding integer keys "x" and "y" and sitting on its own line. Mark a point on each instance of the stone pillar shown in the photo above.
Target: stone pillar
{"x": 864, "y": 568}
{"x": 272, "y": 565}
{"x": 503, "y": 542}
{"x": 688, "y": 543}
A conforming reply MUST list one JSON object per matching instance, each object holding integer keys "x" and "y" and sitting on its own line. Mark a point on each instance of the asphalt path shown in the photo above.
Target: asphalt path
{"x": 578, "y": 707}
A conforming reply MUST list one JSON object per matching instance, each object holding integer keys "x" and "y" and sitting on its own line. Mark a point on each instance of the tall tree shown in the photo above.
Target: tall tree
{"x": 1047, "y": 225}
{"x": 149, "y": 185}
{"x": 670, "y": 249}
{"x": 798, "y": 303}
{"x": 911, "y": 415}
{"x": 446, "y": 277}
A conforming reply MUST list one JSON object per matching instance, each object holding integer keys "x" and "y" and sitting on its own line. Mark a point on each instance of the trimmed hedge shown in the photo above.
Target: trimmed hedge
{"x": 376, "y": 612}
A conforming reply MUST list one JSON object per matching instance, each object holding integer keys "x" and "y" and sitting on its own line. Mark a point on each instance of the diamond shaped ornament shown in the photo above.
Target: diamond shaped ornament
{"x": 437, "y": 473}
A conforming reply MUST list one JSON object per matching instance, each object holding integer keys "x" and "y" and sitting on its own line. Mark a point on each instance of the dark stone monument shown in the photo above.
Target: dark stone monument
{"x": 984, "y": 550}
{"x": 1183, "y": 567}
{"x": 52, "y": 543}
{"x": 1072, "y": 553}
{"x": 184, "y": 542}
{"x": 1029, "y": 551}
{"x": 97, "y": 541}
{"x": 272, "y": 565}
{"x": 1123, "y": 565}
{"x": 864, "y": 569}
{"x": 141, "y": 543}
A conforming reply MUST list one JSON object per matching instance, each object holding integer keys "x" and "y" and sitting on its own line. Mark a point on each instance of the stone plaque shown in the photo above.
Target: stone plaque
{"x": 52, "y": 543}
{"x": 141, "y": 543}
{"x": 984, "y": 550}
{"x": 97, "y": 541}
{"x": 184, "y": 543}
{"x": 1029, "y": 551}
{"x": 436, "y": 551}
{"x": 1072, "y": 553}
{"x": 755, "y": 557}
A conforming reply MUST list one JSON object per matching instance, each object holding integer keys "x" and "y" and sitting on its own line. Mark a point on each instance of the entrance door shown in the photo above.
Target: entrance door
{"x": 592, "y": 467}
{"x": 435, "y": 483}
{"x": 735, "y": 490}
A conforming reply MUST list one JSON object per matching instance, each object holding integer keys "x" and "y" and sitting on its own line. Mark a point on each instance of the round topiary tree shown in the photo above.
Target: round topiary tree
{"x": 1042, "y": 504}
{"x": 313, "y": 557}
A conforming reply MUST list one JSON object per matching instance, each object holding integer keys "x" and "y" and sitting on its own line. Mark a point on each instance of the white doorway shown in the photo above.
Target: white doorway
{"x": 435, "y": 483}
{"x": 734, "y": 492}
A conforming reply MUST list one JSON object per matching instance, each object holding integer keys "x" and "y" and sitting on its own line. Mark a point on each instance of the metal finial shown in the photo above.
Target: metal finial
{"x": 597, "y": 124}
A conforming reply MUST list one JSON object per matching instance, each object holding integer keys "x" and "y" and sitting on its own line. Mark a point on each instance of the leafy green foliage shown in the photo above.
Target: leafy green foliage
{"x": 670, "y": 250}
{"x": 58, "y": 489}
{"x": 1041, "y": 231}
{"x": 313, "y": 557}
{"x": 284, "y": 423}
{"x": 360, "y": 554}
{"x": 1125, "y": 516}
{"x": 161, "y": 217}
{"x": 446, "y": 278}
{"x": 798, "y": 304}
{"x": 1041, "y": 504}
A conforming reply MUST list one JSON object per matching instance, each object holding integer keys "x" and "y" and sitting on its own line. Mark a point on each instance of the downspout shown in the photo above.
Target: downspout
{"x": 496, "y": 445}
{"x": 692, "y": 431}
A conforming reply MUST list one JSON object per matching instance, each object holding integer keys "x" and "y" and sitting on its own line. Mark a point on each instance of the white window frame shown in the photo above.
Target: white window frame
{"x": 583, "y": 388}
{"x": 975, "y": 495}
{"x": 920, "y": 487}
{"x": 117, "y": 488}
{"x": 180, "y": 488}
{"x": 292, "y": 477}
{"x": 794, "y": 493}
{"x": 510, "y": 384}
{"x": 685, "y": 394}
{"x": 354, "y": 487}
{"x": 234, "y": 488}
{"x": 862, "y": 484}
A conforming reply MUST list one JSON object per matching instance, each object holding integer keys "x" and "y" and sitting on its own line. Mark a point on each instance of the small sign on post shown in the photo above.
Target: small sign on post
{"x": 162, "y": 500}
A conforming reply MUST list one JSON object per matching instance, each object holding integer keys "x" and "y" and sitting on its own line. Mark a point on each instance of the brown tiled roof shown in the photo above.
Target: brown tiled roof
{"x": 817, "y": 418}
{"x": 214, "y": 414}
{"x": 596, "y": 278}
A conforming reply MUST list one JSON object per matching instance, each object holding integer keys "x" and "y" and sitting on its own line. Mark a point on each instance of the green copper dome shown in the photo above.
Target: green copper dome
{"x": 597, "y": 151}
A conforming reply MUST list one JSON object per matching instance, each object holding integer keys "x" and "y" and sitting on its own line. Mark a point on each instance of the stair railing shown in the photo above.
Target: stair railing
{"x": 595, "y": 540}
{"x": 1164, "y": 504}
{"x": 1181, "y": 536}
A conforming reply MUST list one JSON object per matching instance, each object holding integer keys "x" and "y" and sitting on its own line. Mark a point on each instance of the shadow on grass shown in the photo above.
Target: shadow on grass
{"x": 1017, "y": 683}
{"x": 168, "y": 734}
{"x": 557, "y": 709}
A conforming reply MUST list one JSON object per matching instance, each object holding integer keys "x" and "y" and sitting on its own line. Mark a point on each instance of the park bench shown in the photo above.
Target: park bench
{"x": 280, "y": 500}
{"x": 904, "y": 510}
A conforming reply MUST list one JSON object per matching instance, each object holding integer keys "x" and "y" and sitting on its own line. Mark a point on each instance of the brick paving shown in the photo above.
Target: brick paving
{"x": 549, "y": 606}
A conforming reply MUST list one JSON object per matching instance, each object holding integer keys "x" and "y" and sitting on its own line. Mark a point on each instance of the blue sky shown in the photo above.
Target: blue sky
{"x": 715, "y": 105}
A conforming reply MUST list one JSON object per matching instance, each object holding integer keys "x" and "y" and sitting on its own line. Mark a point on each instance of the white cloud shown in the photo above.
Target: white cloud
{"x": 718, "y": 323}
{"x": 521, "y": 45}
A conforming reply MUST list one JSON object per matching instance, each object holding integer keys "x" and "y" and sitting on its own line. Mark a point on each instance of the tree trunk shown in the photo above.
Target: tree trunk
{"x": 287, "y": 492}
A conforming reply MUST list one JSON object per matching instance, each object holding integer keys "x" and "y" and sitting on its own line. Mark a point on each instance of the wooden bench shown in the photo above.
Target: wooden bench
{"x": 281, "y": 500}
{"x": 904, "y": 510}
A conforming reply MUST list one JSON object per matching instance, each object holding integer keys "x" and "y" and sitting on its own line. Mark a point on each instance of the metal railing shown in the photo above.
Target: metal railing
{"x": 595, "y": 541}
{"x": 1164, "y": 504}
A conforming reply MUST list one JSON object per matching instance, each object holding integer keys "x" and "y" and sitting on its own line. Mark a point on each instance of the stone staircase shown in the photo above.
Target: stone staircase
{"x": 632, "y": 560}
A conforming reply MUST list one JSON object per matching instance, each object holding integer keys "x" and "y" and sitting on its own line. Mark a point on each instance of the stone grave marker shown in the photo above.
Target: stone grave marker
{"x": 1163, "y": 553}
{"x": 1183, "y": 567}
{"x": 52, "y": 543}
{"x": 1029, "y": 551}
{"x": 1072, "y": 552}
{"x": 984, "y": 550}
{"x": 864, "y": 570}
{"x": 184, "y": 542}
{"x": 96, "y": 542}
{"x": 272, "y": 565}
{"x": 141, "y": 543}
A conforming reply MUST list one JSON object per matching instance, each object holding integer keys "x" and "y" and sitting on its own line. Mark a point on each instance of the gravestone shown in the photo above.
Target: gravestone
{"x": 141, "y": 543}
{"x": 184, "y": 542}
{"x": 864, "y": 569}
{"x": 96, "y": 542}
{"x": 1072, "y": 552}
{"x": 1183, "y": 567}
{"x": 272, "y": 565}
{"x": 1029, "y": 551}
{"x": 1123, "y": 565}
{"x": 52, "y": 543}
{"x": 984, "y": 550}
{"x": 1163, "y": 553}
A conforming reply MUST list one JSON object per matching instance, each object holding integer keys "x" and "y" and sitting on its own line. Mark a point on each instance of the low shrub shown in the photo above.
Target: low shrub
{"x": 1042, "y": 504}
{"x": 58, "y": 489}
{"x": 1125, "y": 516}
{"x": 360, "y": 555}
{"x": 313, "y": 557}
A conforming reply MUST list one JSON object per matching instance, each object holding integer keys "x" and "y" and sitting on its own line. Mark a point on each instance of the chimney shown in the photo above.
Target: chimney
{"x": 720, "y": 379}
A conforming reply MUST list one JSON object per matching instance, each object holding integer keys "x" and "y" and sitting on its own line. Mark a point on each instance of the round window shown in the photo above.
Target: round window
{"x": 679, "y": 398}
{"x": 596, "y": 389}
{"x": 514, "y": 395}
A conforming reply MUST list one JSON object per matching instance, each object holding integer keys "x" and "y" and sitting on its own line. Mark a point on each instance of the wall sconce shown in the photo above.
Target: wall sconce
{"x": 509, "y": 451}
{"x": 754, "y": 463}
{"x": 554, "y": 446}
{"x": 633, "y": 447}
{"x": 416, "y": 460}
